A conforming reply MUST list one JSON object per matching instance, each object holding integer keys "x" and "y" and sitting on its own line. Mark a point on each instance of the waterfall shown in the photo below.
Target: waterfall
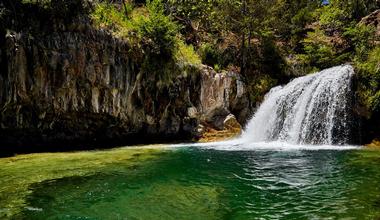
{"x": 313, "y": 109}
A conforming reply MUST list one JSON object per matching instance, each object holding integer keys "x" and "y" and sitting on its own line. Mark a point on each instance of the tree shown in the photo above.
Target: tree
{"x": 159, "y": 31}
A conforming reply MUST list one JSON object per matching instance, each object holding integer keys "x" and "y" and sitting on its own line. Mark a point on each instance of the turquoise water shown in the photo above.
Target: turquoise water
{"x": 196, "y": 183}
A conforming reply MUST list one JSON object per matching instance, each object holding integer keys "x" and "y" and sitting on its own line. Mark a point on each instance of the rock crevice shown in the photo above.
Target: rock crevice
{"x": 84, "y": 87}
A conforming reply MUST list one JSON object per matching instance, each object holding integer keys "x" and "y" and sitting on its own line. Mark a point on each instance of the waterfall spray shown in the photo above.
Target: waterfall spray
{"x": 314, "y": 109}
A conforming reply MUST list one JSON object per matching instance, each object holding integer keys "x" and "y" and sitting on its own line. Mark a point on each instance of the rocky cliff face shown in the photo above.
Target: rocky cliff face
{"x": 222, "y": 94}
{"x": 81, "y": 86}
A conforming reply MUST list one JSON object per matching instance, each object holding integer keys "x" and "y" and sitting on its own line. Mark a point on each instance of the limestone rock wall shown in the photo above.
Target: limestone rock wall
{"x": 77, "y": 85}
{"x": 222, "y": 94}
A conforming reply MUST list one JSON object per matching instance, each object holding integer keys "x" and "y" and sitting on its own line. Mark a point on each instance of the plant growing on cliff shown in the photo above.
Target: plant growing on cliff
{"x": 369, "y": 80}
{"x": 43, "y": 3}
{"x": 150, "y": 27}
{"x": 158, "y": 31}
{"x": 320, "y": 51}
{"x": 361, "y": 40}
{"x": 106, "y": 15}
{"x": 185, "y": 54}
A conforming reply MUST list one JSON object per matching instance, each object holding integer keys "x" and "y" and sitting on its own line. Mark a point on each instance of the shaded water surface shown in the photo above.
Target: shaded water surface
{"x": 193, "y": 183}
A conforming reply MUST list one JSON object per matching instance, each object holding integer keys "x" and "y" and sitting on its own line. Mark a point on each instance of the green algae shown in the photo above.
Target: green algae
{"x": 367, "y": 161}
{"x": 191, "y": 183}
{"x": 18, "y": 173}
{"x": 169, "y": 200}
{"x": 366, "y": 156}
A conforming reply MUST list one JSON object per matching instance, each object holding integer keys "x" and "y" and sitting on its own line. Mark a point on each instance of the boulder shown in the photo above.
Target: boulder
{"x": 230, "y": 123}
{"x": 231, "y": 129}
{"x": 215, "y": 117}
{"x": 222, "y": 93}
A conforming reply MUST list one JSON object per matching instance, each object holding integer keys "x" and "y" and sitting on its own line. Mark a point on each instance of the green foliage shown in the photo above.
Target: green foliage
{"x": 127, "y": 8}
{"x": 107, "y": 15}
{"x": 355, "y": 9}
{"x": 319, "y": 51}
{"x": 336, "y": 39}
{"x": 333, "y": 17}
{"x": 152, "y": 32}
{"x": 361, "y": 39}
{"x": 217, "y": 68}
{"x": 271, "y": 60}
{"x": 302, "y": 17}
{"x": 158, "y": 31}
{"x": 191, "y": 9}
{"x": 221, "y": 58}
{"x": 369, "y": 80}
{"x": 185, "y": 54}
{"x": 320, "y": 55}
{"x": 209, "y": 54}
{"x": 43, "y": 3}
{"x": 251, "y": 36}
{"x": 260, "y": 86}
{"x": 291, "y": 17}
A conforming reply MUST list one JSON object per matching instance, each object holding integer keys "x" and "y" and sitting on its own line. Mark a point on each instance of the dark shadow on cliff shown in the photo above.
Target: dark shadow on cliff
{"x": 65, "y": 85}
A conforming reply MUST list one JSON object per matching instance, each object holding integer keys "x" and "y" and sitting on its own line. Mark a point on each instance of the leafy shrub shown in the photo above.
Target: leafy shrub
{"x": 260, "y": 86}
{"x": 44, "y": 3}
{"x": 361, "y": 39}
{"x": 332, "y": 17}
{"x": 217, "y": 68}
{"x": 158, "y": 31}
{"x": 209, "y": 54}
{"x": 321, "y": 51}
{"x": 186, "y": 54}
{"x": 369, "y": 80}
{"x": 108, "y": 16}
{"x": 300, "y": 19}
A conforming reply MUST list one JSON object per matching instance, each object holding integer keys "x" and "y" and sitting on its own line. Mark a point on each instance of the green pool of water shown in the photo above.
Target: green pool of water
{"x": 192, "y": 183}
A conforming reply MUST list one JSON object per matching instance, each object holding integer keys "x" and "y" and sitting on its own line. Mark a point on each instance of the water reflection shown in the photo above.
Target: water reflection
{"x": 199, "y": 183}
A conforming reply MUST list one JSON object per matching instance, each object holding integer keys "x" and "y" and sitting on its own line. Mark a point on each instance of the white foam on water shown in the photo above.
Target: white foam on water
{"x": 309, "y": 113}
{"x": 239, "y": 145}
{"x": 310, "y": 110}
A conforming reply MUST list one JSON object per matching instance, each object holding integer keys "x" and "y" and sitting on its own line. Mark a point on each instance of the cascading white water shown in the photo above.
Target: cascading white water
{"x": 314, "y": 109}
